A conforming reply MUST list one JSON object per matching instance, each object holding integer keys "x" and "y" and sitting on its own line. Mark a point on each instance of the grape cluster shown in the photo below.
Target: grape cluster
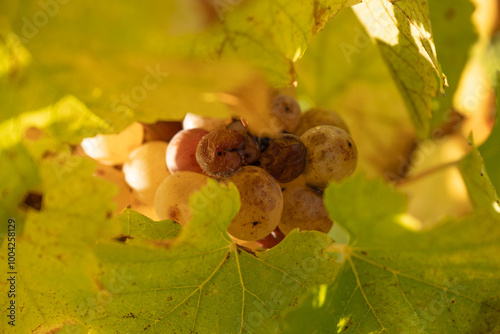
{"x": 280, "y": 180}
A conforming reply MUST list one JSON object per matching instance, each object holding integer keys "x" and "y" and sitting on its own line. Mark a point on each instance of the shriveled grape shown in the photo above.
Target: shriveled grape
{"x": 261, "y": 204}
{"x": 285, "y": 158}
{"x": 303, "y": 208}
{"x": 219, "y": 152}
{"x": 251, "y": 151}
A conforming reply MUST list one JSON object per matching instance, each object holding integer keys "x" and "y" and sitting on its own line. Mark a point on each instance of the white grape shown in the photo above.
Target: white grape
{"x": 303, "y": 208}
{"x": 114, "y": 149}
{"x": 146, "y": 168}
{"x": 261, "y": 204}
{"x": 331, "y": 155}
{"x": 192, "y": 121}
{"x": 172, "y": 196}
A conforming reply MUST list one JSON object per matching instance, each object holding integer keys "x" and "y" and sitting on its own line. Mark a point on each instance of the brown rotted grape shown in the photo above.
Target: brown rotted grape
{"x": 285, "y": 158}
{"x": 251, "y": 152}
{"x": 219, "y": 153}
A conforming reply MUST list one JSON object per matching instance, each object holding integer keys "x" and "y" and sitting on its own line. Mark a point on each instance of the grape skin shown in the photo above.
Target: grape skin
{"x": 303, "y": 208}
{"x": 162, "y": 130}
{"x": 114, "y": 149}
{"x": 218, "y": 153}
{"x": 261, "y": 204}
{"x": 181, "y": 152}
{"x": 145, "y": 169}
{"x": 331, "y": 155}
{"x": 172, "y": 196}
{"x": 288, "y": 111}
{"x": 319, "y": 116}
{"x": 284, "y": 158}
{"x": 192, "y": 121}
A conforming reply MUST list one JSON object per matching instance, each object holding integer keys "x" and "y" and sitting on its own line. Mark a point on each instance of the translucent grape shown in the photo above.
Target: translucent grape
{"x": 146, "y": 168}
{"x": 181, "y": 152}
{"x": 113, "y": 149}
{"x": 192, "y": 121}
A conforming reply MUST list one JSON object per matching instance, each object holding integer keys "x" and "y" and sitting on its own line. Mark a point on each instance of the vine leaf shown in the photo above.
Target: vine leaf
{"x": 203, "y": 282}
{"x": 147, "y": 71}
{"x": 53, "y": 285}
{"x": 490, "y": 149}
{"x": 454, "y": 36}
{"x": 402, "y": 30}
{"x": 272, "y": 35}
{"x": 361, "y": 91}
{"x": 137, "y": 227}
{"x": 398, "y": 279}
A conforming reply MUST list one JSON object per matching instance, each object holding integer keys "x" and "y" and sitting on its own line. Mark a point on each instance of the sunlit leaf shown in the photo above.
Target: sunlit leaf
{"x": 402, "y": 31}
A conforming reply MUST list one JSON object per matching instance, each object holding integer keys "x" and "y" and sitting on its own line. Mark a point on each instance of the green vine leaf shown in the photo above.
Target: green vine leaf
{"x": 490, "y": 149}
{"x": 402, "y": 31}
{"x": 454, "y": 36}
{"x": 138, "y": 228}
{"x": 272, "y": 35}
{"x": 361, "y": 84}
{"x": 203, "y": 282}
{"x": 397, "y": 279}
{"x": 60, "y": 289}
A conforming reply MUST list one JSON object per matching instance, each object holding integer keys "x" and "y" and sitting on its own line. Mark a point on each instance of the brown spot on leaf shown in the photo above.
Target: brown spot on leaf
{"x": 123, "y": 238}
{"x": 34, "y": 201}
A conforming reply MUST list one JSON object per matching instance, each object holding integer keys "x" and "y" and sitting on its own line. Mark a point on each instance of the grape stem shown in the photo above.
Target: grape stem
{"x": 426, "y": 173}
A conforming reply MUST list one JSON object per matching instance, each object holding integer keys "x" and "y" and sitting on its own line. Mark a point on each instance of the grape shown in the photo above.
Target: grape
{"x": 261, "y": 204}
{"x": 181, "y": 152}
{"x": 319, "y": 116}
{"x": 303, "y": 208}
{"x": 163, "y": 131}
{"x": 251, "y": 151}
{"x": 251, "y": 245}
{"x": 113, "y": 175}
{"x": 271, "y": 240}
{"x": 331, "y": 155}
{"x": 145, "y": 169}
{"x": 218, "y": 153}
{"x": 288, "y": 111}
{"x": 285, "y": 158}
{"x": 192, "y": 121}
{"x": 298, "y": 180}
{"x": 172, "y": 196}
{"x": 113, "y": 149}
